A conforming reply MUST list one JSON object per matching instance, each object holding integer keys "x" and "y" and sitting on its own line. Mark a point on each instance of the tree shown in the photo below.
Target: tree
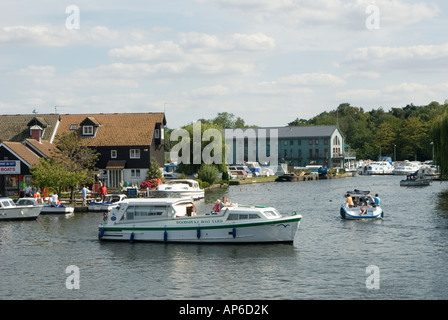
{"x": 189, "y": 164}
{"x": 69, "y": 166}
{"x": 439, "y": 134}
{"x": 154, "y": 170}
{"x": 384, "y": 139}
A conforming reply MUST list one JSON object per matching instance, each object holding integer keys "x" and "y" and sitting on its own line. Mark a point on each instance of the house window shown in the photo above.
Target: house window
{"x": 113, "y": 154}
{"x": 316, "y": 142}
{"x": 326, "y": 141}
{"x": 73, "y": 126}
{"x": 157, "y": 134}
{"x": 87, "y": 130}
{"x": 134, "y": 153}
{"x": 310, "y": 142}
{"x": 336, "y": 141}
{"x": 135, "y": 173}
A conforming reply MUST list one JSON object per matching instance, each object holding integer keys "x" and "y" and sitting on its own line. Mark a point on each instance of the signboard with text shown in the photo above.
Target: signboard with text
{"x": 9, "y": 167}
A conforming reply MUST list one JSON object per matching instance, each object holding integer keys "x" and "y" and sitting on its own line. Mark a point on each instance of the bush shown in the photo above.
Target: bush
{"x": 208, "y": 173}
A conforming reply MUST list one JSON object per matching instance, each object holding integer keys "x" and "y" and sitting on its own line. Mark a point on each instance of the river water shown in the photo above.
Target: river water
{"x": 403, "y": 256}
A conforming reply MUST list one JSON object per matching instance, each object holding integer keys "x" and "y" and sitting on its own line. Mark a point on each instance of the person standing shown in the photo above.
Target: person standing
{"x": 103, "y": 192}
{"x": 84, "y": 192}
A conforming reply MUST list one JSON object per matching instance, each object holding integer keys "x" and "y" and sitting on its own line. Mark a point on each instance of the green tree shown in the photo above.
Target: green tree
{"x": 190, "y": 167}
{"x": 72, "y": 164}
{"x": 154, "y": 170}
{"x": 439, "y": 135}
{"x": 384, "y": 138}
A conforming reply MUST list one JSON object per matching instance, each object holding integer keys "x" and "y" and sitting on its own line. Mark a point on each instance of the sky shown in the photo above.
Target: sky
{"x": 266, "y": 61}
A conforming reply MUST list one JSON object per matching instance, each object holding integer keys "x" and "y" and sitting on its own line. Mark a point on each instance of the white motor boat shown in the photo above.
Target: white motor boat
{"x": 406, "y": 168}
{"x": 176, "y": 220}
{"x": 379, "y": 168}
{"x": 110, "y": 202}
{"x": 57, "y": 209}
{"x": 415, "y": 180}
{"x": 179, "y": 188}
{"x": 10, "y": 211}
{"x": 362, "y": 206}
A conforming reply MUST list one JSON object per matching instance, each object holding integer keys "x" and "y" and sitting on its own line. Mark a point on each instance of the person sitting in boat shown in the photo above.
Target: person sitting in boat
{"x": 363, "y": 209}
{"x": 377, "y": 200}
{"x": 217, "y": 206}
{"x": 350, "y": 202}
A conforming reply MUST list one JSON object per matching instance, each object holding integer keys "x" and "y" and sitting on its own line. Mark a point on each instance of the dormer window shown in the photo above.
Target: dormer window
{"x": 89, "y": 127}
{"x": 87, "y": 130}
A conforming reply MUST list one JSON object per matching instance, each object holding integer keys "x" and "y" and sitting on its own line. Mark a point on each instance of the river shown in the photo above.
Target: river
{"x": 402, "y": 256}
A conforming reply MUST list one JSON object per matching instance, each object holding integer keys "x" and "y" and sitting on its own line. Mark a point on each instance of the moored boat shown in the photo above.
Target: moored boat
{"x": 406, "y": 168}
{"x": 56, "y": 209}
{"x": 176, "y": 220}
{"x": 361, "y": 205}
{"x": 10, "y": 211}
{"x": 110, "y": 202}
{"x": 379, "y": 168}
{"x": 179, "y": 188}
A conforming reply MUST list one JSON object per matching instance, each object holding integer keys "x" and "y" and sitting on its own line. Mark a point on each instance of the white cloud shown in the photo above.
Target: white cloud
{"x": 312, "y": 79}
{"x": 237, "y": 42}
{"x": 217, "y": 90}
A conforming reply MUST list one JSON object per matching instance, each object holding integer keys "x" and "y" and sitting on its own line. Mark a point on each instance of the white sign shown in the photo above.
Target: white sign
{"x": 9, "y": 167}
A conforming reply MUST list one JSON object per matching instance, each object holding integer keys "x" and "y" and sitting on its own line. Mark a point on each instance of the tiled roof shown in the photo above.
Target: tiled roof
{"x": 15, "y": 127}
{"x": 300, "y": 132}
{"x": 115, "y": 129}
{"x": 44, "y": 147}
{"x": 22, "y": 152}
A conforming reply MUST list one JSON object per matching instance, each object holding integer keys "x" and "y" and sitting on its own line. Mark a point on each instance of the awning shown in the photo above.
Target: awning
{"x": 115, "y": 164}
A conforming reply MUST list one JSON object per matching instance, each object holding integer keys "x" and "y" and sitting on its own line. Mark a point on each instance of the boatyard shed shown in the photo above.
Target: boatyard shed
{"x": 296, "y": 146}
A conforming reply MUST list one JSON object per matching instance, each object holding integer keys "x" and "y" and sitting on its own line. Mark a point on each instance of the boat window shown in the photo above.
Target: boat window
{"x": 6, "y": 203}
{"x": 25, "y": 202}
{"x": 242, "y": 216}
{"x": 141, "y": 212}
{"x": 233, "y": 216}
{"x": 271, "y": 213}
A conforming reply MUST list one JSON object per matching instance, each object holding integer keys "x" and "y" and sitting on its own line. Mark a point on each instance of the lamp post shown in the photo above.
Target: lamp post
{"x": 432, "y": 144}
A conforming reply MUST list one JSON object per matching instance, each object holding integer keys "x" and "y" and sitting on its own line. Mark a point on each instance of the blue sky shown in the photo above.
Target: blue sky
{"x": 267, "y": 61}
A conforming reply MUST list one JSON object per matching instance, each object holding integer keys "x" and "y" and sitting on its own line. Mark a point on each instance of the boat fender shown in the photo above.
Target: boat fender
{"x": 165, "y": 236}
{"x": 198, "y": 233}
{"x": 131, "y": 238}
{"x": 100, "y": 235}
{"x": 234, "y": 232}
{"x": 342, "y": 213}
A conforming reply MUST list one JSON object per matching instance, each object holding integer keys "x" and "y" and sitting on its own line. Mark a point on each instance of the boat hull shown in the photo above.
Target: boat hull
{"x": 190, "y": 231}
{"x": 354, "y": 213}
{"x": 20, "y": 213}
{"x": 416, "y": 183}
{"x": 57, "y": 210}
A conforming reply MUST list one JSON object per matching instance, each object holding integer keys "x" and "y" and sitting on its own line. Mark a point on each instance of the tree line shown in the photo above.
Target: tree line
{"x": 400, "y": 133}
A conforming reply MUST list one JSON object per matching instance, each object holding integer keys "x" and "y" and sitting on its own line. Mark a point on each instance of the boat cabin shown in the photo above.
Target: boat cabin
{"x": 134, "y": 210}
{"x": 6, "y": 203}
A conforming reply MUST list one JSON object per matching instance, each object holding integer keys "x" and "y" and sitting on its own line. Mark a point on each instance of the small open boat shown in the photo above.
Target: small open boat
{"x": 360, "y": 205}
{"x": 56, "y": 209}
{"x": 415, "y": 180}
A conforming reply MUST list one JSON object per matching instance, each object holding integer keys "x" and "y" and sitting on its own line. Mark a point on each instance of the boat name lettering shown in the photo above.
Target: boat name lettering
{"x": 198, "y": 221}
